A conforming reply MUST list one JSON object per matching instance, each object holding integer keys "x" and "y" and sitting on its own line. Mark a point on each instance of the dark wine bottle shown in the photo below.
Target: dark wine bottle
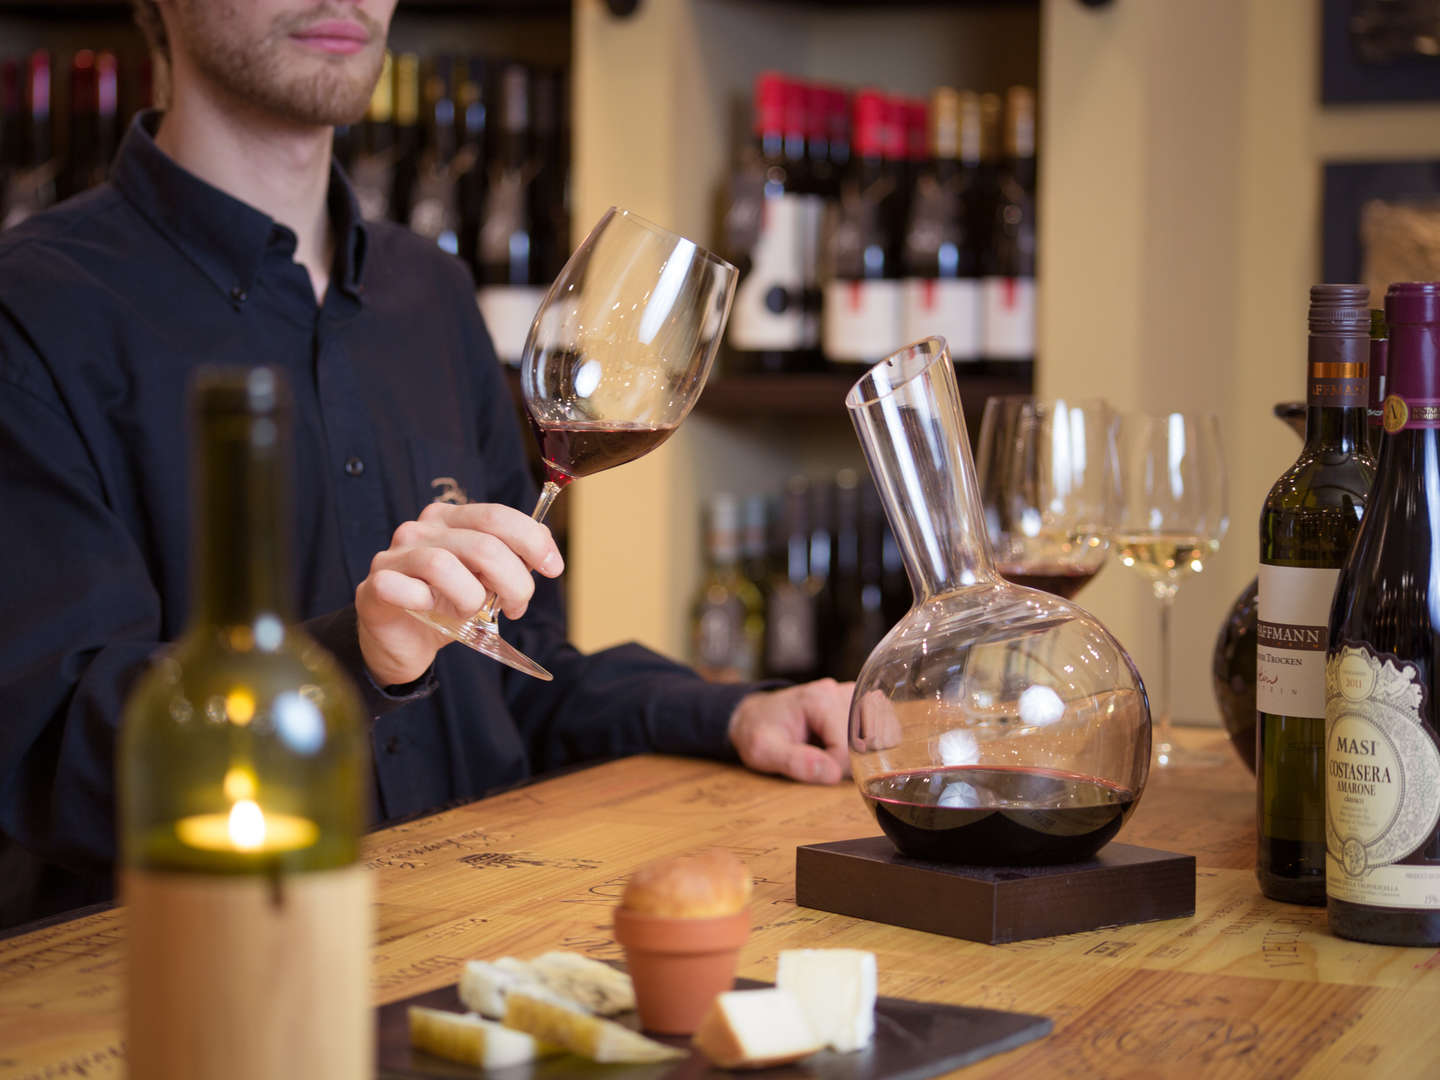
{"x": 727, "y": 619}
{"x": 242, "y": 767}
{"x": 771, "y": 230}
{"x": 471, "y": 104}
{"x": 1307, "y": 526}
{"x": 1382, "y": 672}
{"x": 33, "y": 184}
{"x": 1007, "y": 285}
{"x": 791, "y": 646}
{"x": 434, "y": 209}
{"x": 409, "y": 142}
{"x": 510, "y": 289}
{"x": 12, "y": 131}
{"x": 862, "y": 315}
{"x": 1379, "y": 362}
{"x": 942, "y": 284}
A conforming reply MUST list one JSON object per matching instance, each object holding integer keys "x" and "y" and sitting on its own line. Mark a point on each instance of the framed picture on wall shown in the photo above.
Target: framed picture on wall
{"x": 1379, "y": 50}
{"x": 1381, "y": 223}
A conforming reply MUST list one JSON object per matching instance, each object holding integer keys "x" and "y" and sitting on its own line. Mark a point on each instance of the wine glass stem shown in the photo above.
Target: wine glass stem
{"x": 542, "y": 507}
{"x": 1165, "y": 593}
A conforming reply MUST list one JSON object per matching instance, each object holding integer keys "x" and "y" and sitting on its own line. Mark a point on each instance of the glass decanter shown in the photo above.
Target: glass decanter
{"x": 994, "y": 724}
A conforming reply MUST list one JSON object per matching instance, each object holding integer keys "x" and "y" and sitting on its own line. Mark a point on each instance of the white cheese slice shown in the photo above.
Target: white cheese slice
{"x": 836, "y": 991}
{"x": 567, "y": 1025}
{"x": 471, "y": 1040}
{"x": 597, "y": 986}
{"x": 754, "y": 1029}
{"x": 483, "y": 986}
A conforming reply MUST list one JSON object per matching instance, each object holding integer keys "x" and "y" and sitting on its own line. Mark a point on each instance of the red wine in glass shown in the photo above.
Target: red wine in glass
{"x": 574, "y": 448}
{"x": 1063, "y": 581}
{"x": 997, "y": 815}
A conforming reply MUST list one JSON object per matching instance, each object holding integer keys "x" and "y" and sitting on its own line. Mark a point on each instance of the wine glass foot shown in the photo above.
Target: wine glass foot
{"x": 1169, "y": 755}
{"x": 484, "y": 638}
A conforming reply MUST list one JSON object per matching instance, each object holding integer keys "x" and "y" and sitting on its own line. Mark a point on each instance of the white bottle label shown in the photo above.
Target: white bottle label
{"x": 949, "y": 307}
{"x": 508, "y": 311}
{"x": 1008, "y": 322}
{"x": 1294, "y": 627}
{"x": 769, "y": 307}
{"x": 1382, "y": 782}
{"x": 862, "y": 320}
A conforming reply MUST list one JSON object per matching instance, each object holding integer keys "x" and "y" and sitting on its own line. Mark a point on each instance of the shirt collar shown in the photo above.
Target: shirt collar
{"x": 224, "y": 237}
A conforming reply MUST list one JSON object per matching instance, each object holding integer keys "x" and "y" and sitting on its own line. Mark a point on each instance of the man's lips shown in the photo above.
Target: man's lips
{"x": 334, "y": 36}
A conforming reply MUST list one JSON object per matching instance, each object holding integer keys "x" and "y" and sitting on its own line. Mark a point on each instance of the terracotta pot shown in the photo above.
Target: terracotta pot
{"x": 679, "y": 966}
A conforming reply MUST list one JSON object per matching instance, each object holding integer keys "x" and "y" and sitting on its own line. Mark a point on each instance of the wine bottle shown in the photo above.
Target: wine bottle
{"x": 510, "y": 289}
{"x": 862, "y": 315}
{"x": 434, "y": 210}
{"x": 374, "y": 164}
{"x": 1379, "y": 354}
{"x": 791, "y": 645}
{"x": 1382, "y": 669}
{"x": 549, "y": 211}
{"x": 770, "y": 233}
{"x": 33, "y": 183}
{"x": 1007, "y": 286}
{"x": 843, "y": 658}
{"x": 242, "y": 767}
{"x": 1307, "y": 525}
{"x": 408, "y": 137}
{"x": 728, "y": 617}
{"x": 942, "y": 285}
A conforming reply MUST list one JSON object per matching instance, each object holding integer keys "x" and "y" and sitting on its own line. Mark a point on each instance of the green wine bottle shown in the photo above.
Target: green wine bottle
{"x": 242, "y": 763}
{"x": 1307, "y": 526}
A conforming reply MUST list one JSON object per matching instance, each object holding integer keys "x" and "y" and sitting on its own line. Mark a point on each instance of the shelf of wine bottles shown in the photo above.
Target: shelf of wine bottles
{"x": 861, "y": 220}
{"x": 61, "y": 117}
{"x": 799, "y": 584}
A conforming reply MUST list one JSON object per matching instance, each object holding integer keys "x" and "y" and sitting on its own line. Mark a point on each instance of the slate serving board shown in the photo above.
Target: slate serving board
{"x": 913, "y": 1040}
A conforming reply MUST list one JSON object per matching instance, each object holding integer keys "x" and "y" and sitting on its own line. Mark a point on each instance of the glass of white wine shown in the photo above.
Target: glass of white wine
{"x": 1172, "y": 517}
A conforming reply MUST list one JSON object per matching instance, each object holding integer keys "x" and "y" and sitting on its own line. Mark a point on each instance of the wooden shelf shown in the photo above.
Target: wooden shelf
{"x": 823, "y": 394}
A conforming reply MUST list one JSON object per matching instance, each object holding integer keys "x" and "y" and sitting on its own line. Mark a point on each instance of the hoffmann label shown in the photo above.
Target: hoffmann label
{"x": 1294, "y": 621}
{"x": 1382, "y": 782}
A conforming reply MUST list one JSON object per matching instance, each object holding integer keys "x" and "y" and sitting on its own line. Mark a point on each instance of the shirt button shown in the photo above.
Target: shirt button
{"x": 354, "y": 467}
{"x": 392, "y": 744}
{"x": 237, "y": 294}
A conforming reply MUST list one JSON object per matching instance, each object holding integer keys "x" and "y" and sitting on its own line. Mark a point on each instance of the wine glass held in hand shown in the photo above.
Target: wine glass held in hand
{"x": 617, "y": 356}
{"x": 1171, "y": 518}
{"x": 1048, "y": 483}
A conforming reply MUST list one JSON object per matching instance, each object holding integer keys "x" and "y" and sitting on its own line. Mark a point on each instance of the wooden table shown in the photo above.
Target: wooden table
{"x": 1245, "y": 988}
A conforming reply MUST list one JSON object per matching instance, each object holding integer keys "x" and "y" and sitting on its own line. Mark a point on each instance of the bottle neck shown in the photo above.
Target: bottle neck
{"x": 1413, "y": 370}
{"x": 241, "y": 522}
{"x": 1337, "y": 390}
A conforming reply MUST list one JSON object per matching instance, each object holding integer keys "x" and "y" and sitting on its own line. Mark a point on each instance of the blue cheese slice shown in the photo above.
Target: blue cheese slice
{"x": 836, "y": 991}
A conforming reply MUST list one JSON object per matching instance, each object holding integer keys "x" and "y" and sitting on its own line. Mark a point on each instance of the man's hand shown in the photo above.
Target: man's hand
{"x": 777, "y": 731}
{"x": 446, "y": 560}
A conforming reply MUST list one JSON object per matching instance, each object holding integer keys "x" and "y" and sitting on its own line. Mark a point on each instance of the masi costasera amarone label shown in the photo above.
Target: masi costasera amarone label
{"x": 1382, "y": 781}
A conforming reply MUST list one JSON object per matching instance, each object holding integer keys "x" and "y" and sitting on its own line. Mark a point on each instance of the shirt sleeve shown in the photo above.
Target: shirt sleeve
{"x": 618, "y": 701}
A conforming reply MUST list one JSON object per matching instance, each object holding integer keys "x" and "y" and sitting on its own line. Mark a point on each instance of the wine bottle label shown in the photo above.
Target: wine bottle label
{"x": 508, "y": 311}
{"x": 206, "y": 951}
{"x": 1008, "y": 318}
{"x": 433, "y": 214}
{"x": 790, "y": 645}
{"x": 723, "y": 650}
{"x": 370, "y": 179}
{"x": 1413, "y": 412}
{"x": 1294, "y": 617}
{"x": 949, "y": 307}
{"x": 814, "y": 215}
{"x": 1382, "y": 782}
{"x": 769, "y": 307}
{"x": 863, "y": 320}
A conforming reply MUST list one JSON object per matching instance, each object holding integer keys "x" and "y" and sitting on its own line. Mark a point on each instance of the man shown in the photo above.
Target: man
{"x": 225, "y": 236}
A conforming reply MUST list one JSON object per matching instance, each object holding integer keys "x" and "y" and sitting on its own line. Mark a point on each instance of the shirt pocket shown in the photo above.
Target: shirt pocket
{"x": 445, "y": 472}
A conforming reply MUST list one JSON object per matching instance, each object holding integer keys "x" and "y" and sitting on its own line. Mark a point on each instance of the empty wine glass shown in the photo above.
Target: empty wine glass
{"x": 1172, "y": 518}
{"x": 1047, "y": 471}
{"x": 616, "y": 357}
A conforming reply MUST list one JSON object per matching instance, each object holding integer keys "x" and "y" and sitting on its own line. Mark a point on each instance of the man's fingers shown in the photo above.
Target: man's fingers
{"x": 811, "y": 765}
{"x": 529, "y": 539}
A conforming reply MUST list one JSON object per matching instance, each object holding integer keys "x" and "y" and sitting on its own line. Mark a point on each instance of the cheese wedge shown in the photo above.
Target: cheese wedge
{"x": 836, "y": 991}
{"x": 595, "y": 985}
{"x": 471, "y": 1040}
{"x": 483, "y": 985}
{"x": 553, "y": 1021}
{"x": 755, "y": 1029}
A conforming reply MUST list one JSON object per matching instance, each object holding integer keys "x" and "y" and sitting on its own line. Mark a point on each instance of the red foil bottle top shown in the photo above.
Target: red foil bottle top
{"x": 870, "y": 138}
{"x": 40, "y": 82}
{"x": 84, "y": 89}
{"x": 769, "y": 102}
{"x": 1412, "y": 302}
{"x": 817, "y": 111}
{"x": 895, "y": 147}
{"x": 108, "y": 83}
{"x": 916, "y": 122}
{"x": 793, "y": 98}
{"x": 9, "y": 86}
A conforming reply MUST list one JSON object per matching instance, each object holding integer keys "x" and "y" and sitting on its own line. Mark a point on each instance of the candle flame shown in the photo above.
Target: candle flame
{"x": 247, "y": 825}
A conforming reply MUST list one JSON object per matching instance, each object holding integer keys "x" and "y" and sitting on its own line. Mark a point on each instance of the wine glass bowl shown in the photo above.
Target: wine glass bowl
{"x": 1172, "y": 517}
{"x": 1047, "y": 471}
{"x": 616, "y": 357}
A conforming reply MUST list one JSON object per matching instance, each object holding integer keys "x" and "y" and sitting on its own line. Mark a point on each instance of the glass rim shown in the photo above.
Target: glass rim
{"x": 669, "y": 234}
{"x": 896, "y": 371}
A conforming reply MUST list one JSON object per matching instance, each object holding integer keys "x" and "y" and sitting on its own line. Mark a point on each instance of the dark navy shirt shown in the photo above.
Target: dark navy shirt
{"x": 107, "y": 304}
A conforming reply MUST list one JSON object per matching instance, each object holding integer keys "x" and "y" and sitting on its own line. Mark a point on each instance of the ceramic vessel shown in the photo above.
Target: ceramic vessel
{"x": 679, "y": 966}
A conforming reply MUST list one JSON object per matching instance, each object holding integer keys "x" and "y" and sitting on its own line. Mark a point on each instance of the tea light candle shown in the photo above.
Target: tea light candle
{"x": 248, "y": 829}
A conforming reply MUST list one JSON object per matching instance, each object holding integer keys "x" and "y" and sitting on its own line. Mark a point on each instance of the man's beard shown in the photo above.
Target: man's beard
{"x": 316, "y": 89}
